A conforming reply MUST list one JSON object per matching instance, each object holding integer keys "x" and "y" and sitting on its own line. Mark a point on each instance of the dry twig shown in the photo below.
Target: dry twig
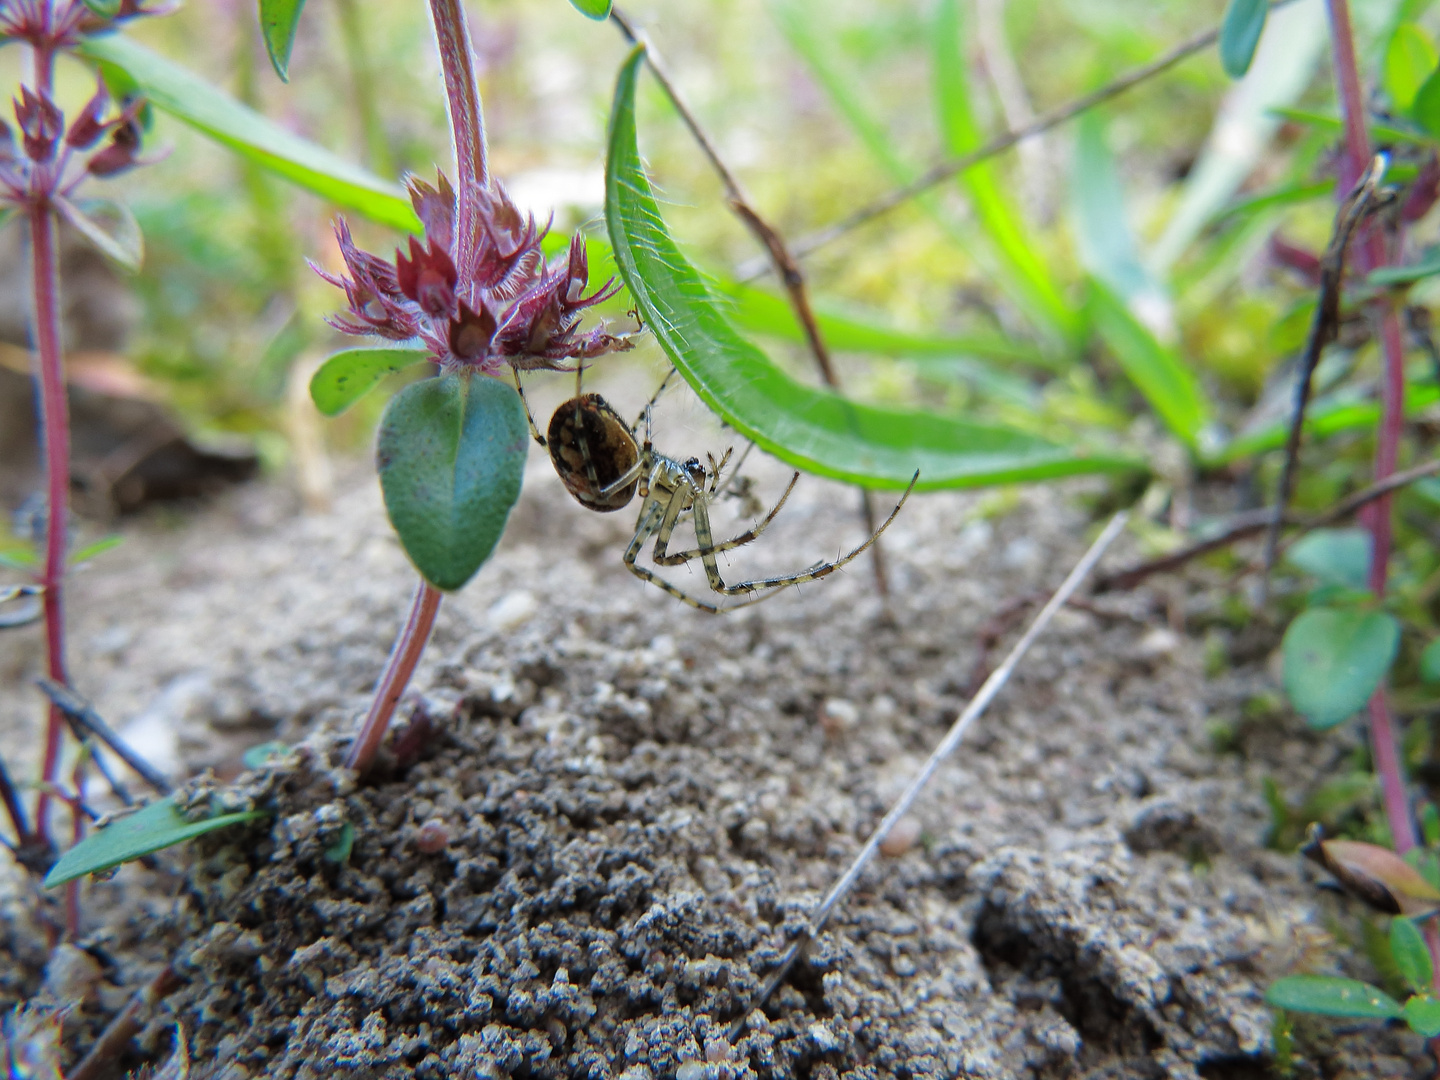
{"x": 127, "y": 1022}
{"x": 82, "y": 713}
{"x": 978, "y": 704}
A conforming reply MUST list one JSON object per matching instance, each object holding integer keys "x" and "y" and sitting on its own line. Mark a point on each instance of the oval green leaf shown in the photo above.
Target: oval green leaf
{"x": 346, "y": 377}
{"x": 1426, "y": 108}
{"x": 1410, "y": 953}
{"x": 1422, "y": 1013}
{"x": 1332, "y": 996}
{"x": 810, "y": 429}
{"x": 1430, "y": 662}
{"x": 278, "y": 20}
{"x": 592, "y": 9}
{"x": 1240, "y": 33}
{"x": 1409, "y": 60}
{"x": 188, "y": 97}
{"x": 1333, "y": 660}
{"x": 451, "y": 455}
{"x": 151, "y": 828}
{"x": 1335, "y": 556}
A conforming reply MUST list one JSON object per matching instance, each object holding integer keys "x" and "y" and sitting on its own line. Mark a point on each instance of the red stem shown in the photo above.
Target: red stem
{"x": 398, "y": 669}
{"x": 55, "y": 421}
{"x": 467, "y": 123}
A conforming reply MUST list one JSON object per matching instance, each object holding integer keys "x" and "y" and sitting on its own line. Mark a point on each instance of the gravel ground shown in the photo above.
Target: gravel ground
{"x": 624, "y": 806}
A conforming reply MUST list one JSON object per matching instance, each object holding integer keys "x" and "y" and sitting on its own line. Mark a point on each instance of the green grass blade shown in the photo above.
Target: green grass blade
{"x": 278, "y": 20}
{"x": 811, "y": 429}
{"x": 1168, "y": 385}
{"x": 188, "y": 97}
{"x": 994, "y": 210}
{"x": 1327, "y": 416}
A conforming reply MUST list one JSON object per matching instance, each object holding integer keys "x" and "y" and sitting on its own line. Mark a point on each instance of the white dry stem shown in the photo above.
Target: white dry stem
{"x": 978, "y": 704}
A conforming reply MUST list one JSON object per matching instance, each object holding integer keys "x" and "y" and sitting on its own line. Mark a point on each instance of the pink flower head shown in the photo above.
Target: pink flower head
{"x": 502, "y": 306}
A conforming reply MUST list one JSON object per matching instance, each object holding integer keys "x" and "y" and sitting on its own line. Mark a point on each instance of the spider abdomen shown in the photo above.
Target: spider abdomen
{"x": 591, "y": 448}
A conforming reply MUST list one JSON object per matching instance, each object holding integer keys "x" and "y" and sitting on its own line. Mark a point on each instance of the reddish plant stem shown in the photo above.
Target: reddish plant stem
{"x": 467, "y": 124}
{"x": 55, "y": 421}
{"x": 398, "y": 669}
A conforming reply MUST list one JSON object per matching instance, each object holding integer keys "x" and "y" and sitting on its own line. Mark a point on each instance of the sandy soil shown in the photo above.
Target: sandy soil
{"x": 626, "y": 805}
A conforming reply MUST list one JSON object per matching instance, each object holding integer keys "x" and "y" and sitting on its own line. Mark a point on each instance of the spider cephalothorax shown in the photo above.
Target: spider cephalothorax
{"x": 600, "y": 463}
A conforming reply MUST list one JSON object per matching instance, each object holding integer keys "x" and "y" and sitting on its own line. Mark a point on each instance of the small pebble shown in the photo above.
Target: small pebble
{"x": 718, "y": 1050}
{"x": 838, "y": 715}
{"x": 901, "y": 838}
{"x": 433, "y": 837}
{"x": 512, "y": 610}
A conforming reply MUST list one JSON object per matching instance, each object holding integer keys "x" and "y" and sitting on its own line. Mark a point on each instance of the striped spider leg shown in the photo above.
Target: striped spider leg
{"x": 598, "y": 460}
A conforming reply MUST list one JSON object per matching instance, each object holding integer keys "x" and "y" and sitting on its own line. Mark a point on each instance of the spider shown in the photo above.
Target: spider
{"x": 598, "y": 460}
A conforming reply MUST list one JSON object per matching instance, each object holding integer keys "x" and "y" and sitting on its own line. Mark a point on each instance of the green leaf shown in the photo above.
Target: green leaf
{"x": 151, "y": 828}
{"x": 278, "y": 20}
{"x": 1342, "y": 411}
{"x": 1102, "y": 228}
{"x": 1161, "y": 376}
{"x": 1332, "y": 996}
{"x": 1333, "y": 660}
{"x": 109, "y": 226}
{"x": 451, "y": 456}
{"x": 257, "y": 757}
{"x": 593, "y": 9}
{"x": 1331, "y": 123}
{"x": 89, "y": 551}
{"x": 1426, "y": 108}
{"x": 1335, "y": 556}
{"x": 808, "y": 428}
{"x": 993, "y": 207}
{"x": 1422, "y": 1013}
{"x": 340, "y": 848}
{"x": 1430, "y": 662}
{"x": 1405, "y": 275}
{"x": 1409, "y": 60}
{"x": 1240, "y": 33}
{"x": 20, "y": 557}
{"x": 106, "y": 9}
{"x": 346, "y": 377}
{"x": 187, "y": 96}
{"x": 1411, "y": 954}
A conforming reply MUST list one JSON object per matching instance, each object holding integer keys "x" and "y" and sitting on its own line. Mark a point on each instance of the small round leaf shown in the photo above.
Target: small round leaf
{"x": 451, "y": 455}
{"x": 1422, "y": 1013}
{"x": 1332, "y": 996}
{"x": 1335, "y": 556}
{"x": 1334, "y": 658}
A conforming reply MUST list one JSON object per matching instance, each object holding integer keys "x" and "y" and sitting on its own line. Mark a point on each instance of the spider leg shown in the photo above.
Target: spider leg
{"x": 645, "y": 412}
{"x": 781, "y": 581}
{"x": 707, "y": 545}
{"x": 529, "y": 416}
{"x": 652, "y": 514}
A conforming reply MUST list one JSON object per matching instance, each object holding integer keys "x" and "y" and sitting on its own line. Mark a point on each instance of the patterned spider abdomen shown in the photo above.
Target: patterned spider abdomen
{"x": 591, "y": 448}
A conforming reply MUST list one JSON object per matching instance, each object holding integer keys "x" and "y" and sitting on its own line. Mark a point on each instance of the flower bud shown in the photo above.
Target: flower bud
{"x": 471, "y": 333}
{"x": 428, "y": 277}
{"x": 87, "y": 128}
{"x": 122, "y": 151}
{"x": 436, "y": 209}
{"x": 41, "y": 124}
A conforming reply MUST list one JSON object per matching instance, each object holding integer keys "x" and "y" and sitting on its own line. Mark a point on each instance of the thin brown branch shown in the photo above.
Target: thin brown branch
{"x": 123, "y": 1028}
{"x": 1244, "y": 526}
{"x": 944, "y": 170}
{"x": 80, "y": 712}
{"x": 781, "y": 259}
{"x": 1324, "y": 327}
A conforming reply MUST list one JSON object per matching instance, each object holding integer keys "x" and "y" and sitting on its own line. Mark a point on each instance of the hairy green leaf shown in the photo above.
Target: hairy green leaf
{"x": 187, "y": 96}
{"x": 1168, "y": 385}
{"x": 1332, "y": 996}
{"x": 1240, "y": 33}
{"x": 1410, "y": 953}
{"x": 1333, "y": 660}
{"x": 109, "y": 226}
{"x": 151, "y": 828}
{"x": 594, "y": 9}
{"x": 811, "y": 429}
{"x": 346, "y": 377}
{"x": 451, "y": 456}
{"x": 1335, "y": 556}
{"x": 278, "y": 20}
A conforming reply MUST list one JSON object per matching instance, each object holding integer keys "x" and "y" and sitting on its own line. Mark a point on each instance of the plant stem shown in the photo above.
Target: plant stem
{"x": 467, "y": 125}
{"x": 398, "y": 669}
{"x": 55, "y": 421}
